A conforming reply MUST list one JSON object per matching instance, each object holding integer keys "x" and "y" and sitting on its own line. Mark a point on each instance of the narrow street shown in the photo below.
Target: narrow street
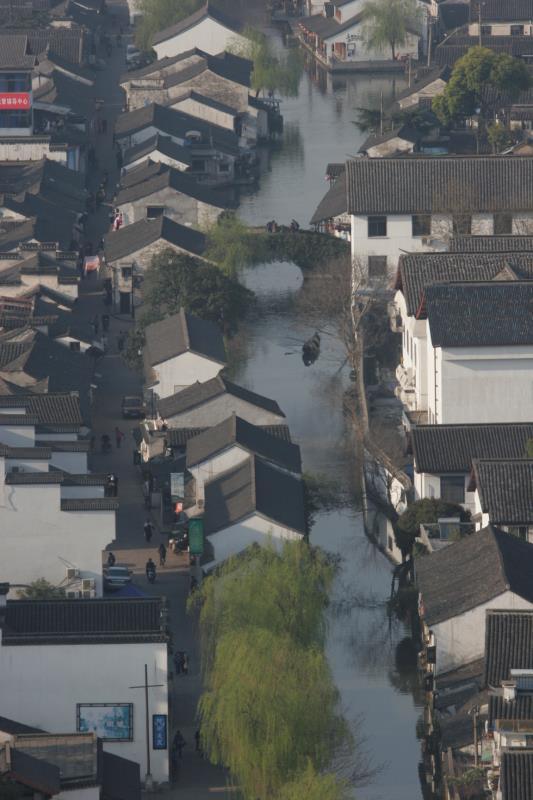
{"x": 195, "y": 777}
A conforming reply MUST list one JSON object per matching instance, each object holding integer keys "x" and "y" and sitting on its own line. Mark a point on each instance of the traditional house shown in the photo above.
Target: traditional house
{"x": 331, "y": 215}
{"x": 182, "y": 350}
{"x": 511, "y": 18}
{"x": 206, "y": 404}
{"x": 157, "y": 189}
{"x": 252, "y": 503}
{"x": 471, "y": 365}
{"x": 503, "y": 494}
{"x": 161, "y": 149}
{"x": 427, "y": 84}
{"x": 458, "y": 584}
{"x": 491, "y": 244}
{"x": 74, "y": 665}
{"x": 418, "y": 204}
{"x": 208, "y": 28}
{"x": 230, "y": 444}
{"x": 138, "y": 243}
{"x": 408, "y": 312}
{"x": 443, "y": 456}
{"x": 401, "y": 139}
{"x": 459, "y": 42}
{"x": 34, "y": 272}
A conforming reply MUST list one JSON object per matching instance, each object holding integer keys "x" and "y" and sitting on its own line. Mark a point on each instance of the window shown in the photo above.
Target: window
{"x": 223, "y": 167}
{"x": 519, "y": 530}
{"x": 15, "y": 82}
{"x": 377, "y": 266}
{"x": 421, "y": 224}
{"x": 126, "y": 273}
{"x": 486, "y": 30}
{"x": 15, "y": 119}
{"x": 452, "y": 488}
{"x": 517, "y": 30}
{"x": 75, "y": 346}
{"x": 462, "y": 225}
{"x": 154, "y": 211}
{"x": 503, "y": 224}
{"x": 377, "y": 226}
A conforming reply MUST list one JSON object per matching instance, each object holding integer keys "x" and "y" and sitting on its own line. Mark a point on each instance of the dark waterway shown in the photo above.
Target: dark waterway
{"x": 377, "y": 693}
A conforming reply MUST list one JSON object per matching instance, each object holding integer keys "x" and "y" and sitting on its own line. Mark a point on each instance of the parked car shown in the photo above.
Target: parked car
{"x": 116, "y": 577}
{"x": 133, "y": 407}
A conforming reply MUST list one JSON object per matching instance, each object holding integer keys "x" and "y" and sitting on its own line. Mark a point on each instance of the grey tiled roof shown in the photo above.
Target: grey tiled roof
{"x": 207, "y": 101}
{"x": 81, "y": 446}
{"x": 17, "y": 419}
{"x": 508, "y": 644}
{"x": 200, "y": 393}
{"x": 47, "y": 408}
{"x": 446, "y": 184}
{"x": 131, "y": 238}
{"x": 162, "y": 144}
{"x": 481, "y": 314}
{"x": 520, "y": 708}
{"x": 473, "y": 571}
{"x": 423, "y": 77}
{"x": 34, "y": 773}
{"x": 177, "y": 437}
{"x": 416, "y": 271}
{"x": 83, "y": 621}
{"x": 457, "y": 45}
{"x": 14, "y": 52}
{"x": 254, "y": 487}
{"x": 441, "y": 449}
{"x": 236, "y": 431}
{"x": 33, "y": 478}
{"x": 181, "y": 333}
{"x": 516, "y": 774}
{"x": 14, "y": 727}
{"x": 141, "y": 183}
{"x": 334, "y": 202}
{"x": 498, "y": 11}
{"x": 207, "y": 10}
{"x": 90, "y": 504}
{"x": 490, "y": 244}
{"x": 505, "y": 489}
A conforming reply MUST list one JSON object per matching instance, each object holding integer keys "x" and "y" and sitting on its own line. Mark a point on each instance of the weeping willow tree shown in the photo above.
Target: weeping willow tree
{"x": 272, "y": 72}
{"x": 312, "y": 785}
{"x": 270, "y": 708}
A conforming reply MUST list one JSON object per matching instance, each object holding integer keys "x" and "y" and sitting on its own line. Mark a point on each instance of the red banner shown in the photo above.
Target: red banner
{"x": 15, "y": 100}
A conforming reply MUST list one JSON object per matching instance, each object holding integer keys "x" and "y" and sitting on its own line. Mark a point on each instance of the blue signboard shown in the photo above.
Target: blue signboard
{"x": 159, "y": 731}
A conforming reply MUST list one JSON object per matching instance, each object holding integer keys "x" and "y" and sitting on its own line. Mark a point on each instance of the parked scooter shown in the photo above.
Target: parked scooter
{"x": 105, "y": 443}
{"x": 151, "y": 571}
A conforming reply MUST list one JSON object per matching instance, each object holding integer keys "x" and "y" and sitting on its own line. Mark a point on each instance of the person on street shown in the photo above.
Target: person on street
{"x": 148, "y": 530}
{"x": 118, "y": 436}
{"x": 197, "y": 747}
{"x": 112, "y": 482}
{"x": 178, "y": 662}
{"x": 111, "y": 560}
{"x": 178, "y": 743}
{"x": 150, "y": 570}
{"x": 185, "y": 663}
{"x": 162, "y": 554}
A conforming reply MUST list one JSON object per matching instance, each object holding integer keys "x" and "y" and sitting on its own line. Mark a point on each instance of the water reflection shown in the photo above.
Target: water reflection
{"x": 366, "y": 652}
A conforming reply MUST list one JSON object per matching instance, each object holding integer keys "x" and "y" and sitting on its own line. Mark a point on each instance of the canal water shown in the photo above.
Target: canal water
{"x": 377, "y": 691}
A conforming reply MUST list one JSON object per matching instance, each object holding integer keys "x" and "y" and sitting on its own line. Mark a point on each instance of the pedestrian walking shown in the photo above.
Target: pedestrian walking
{"x": 148, "y": 530}
{"x": 178, "y": 662}
{"x": 178, "y": 743}
{"x": 112, "y": 482}
{"x": 111, "y": 560}
{"x": 185, "y": 663}
{"x": 162, "y": 554}
{"x": 118, "y": 436}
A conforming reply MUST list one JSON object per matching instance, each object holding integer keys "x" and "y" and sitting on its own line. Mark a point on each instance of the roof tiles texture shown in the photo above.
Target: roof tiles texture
{"x": 200, "y": 393}
{"x": 135, "y": 237}
{"x": 516, "y": 775}
{"x": 508, "y": 644}
{"x": 505, "y": 490}
{"x": 181, "y": 333}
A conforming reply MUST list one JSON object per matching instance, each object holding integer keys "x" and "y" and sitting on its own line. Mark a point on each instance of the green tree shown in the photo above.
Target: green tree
{"x": 41, "y": 589}
{"x": 160, "y": 14}
{"x": 273, "y": 72}
{"x": 311, "y": 785}
{"x": 232, "y": 246}
{"x": 388, "y": 22}
{"x": 498, "y": 136}
{"x": 426, "y": 511}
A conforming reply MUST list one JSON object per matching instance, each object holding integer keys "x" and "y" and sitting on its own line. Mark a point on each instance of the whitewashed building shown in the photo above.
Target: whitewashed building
{"x": 138, "y": 243}
{"x": 181, "y": 350}
{"x": 460, "y": 583}
{"x": 511, "y": 18}
{"x": 208, "y": 28}
{"x": 503, "y": 494}
{"x": 252, "y": 503}
{"x": 74, "y": 665}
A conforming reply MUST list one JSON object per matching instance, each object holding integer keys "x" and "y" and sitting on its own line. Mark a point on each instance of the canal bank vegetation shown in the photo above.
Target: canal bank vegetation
{"x": 387, "y": 23}
{"x": 273, "y": 71}
{"x": 156, "y": 15}
{"x": 270, "y": 709}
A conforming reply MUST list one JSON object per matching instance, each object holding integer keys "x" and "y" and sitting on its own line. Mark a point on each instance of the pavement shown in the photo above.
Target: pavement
{"x": 194, "y": 777}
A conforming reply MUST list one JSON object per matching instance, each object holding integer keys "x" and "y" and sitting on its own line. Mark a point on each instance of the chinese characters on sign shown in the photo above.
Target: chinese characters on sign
{"x": 14, "y": 100}
{"x": 159, "y": 731}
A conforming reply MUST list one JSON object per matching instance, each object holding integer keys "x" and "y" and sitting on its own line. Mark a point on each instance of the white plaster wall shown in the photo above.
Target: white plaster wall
{"x": 254, "y": 530}
{"x": 70, "y": 462}
{"x": 42, "y": 684}
{"x": 184, "y": 370}
{"x": 70, "y": 492}
{"x": 462, "y": 639}
{"x": 209, "y": 35}
{"x": 178, "y": 206}
{"x": 431, "y": 90}
{"x": 414, "y": 350}
{"x": 215, "y": 466}
{"x": 27, "y": 464}
{"x": 88, "y": 793}
{"x": 363, "y": 53}
{"x": 499, "y": 28}
{"x": 399, "y": 238}
{"x": 17, "y": 435}
{"x": 38, "y": 540}
{"x": 219, "y": 409}
{"x": 196, "y": 109}
{"x": 30, "y": 151}
{"x": 428, "y": 486}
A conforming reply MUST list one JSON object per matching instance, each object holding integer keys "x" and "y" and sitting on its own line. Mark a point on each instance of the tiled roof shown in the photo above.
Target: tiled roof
{"x": 519, "y": 708}
{"x": 505, "y": 489}
{"x": 516, "y": 774}
{"x": 14, "y": 52}
{"x": 141, "y": 183}
{"x": 498, "y": 11}
{"x": 90, "y": 504}
{"x": 207, "y": 10}
{"x": 47, "y": 408}
{"x": 17, "y": 419}
{"x": 404, "y": 132}
{"x": 441, "y": 449}
{"x": 200, "y": 393}
{"x": 83, "y": 479}
{"x": 121, "y": 777}
{"x": 416, "y": 271}
{"x": 334, "y": 202}
{"x": 508, "y": 644}
{"x": 181, "y": 333}
{"x": 81, "y": 446}
{"x": 14, "y": 727}
{"x": 83, "y": 621}
{"x": 176, "y": 123}
{"x": 177, "y": 437}
{"x": 473, "y": 571}
{"x": 37, "y": 453}
{"x": 161, "y": 144}
{"x": 481, "y": 314}
{"x": 236, "y": 431}
{"x": 254, "y": 487}
{"x": 490, "y": 244}
{"x": 33, "y": 478}
{"x": 446, "y": 184}
{"x": 423, "y": 77}
{"x": 456, "y": 45}
{"x": 34, "y": 773}
{"x": 132, "y": 238}
{"x": 204, "y": 100}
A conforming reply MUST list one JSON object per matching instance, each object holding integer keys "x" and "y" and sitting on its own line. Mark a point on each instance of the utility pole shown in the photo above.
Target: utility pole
{"x": 479, "y": 21}
{"x": 146, "y": 686}
{"x": 381, "y": 113}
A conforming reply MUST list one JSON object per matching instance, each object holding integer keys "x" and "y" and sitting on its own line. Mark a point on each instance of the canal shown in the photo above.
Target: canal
{"x": 377, "y": 691}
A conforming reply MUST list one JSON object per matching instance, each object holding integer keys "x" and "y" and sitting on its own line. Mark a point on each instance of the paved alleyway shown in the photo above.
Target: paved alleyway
{"x": 196, "y": 778}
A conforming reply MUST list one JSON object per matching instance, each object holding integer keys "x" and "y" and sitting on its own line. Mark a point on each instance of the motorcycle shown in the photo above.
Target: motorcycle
{"x": 150, "y": 574}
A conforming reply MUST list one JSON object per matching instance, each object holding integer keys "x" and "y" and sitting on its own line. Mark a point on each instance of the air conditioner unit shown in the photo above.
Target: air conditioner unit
{"x": 87, "y": 584}
{"x": 72, "y": 573}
